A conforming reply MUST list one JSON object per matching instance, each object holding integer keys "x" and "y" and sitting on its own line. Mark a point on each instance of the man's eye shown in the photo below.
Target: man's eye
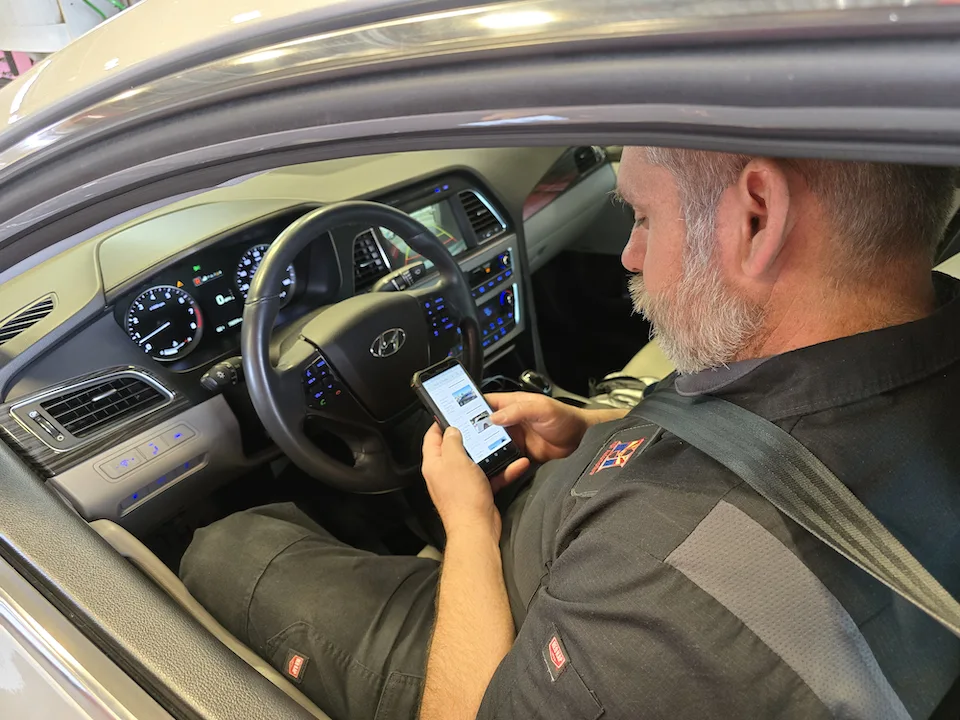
{"x": 639, "y": 222}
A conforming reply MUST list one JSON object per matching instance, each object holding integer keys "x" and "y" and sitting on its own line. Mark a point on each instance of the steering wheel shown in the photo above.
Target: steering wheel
{"x": 349, "y": 367}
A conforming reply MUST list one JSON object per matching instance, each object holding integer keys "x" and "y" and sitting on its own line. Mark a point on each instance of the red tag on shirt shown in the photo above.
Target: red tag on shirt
{"x": 295, "y": 665}
{"x": 555, "y": 657}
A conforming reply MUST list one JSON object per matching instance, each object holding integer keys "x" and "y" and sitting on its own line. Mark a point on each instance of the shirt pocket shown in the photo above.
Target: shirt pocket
{"x": 543, "y": 682}
{"x": 567, "y": 695}
{"x": 571, "y": 698}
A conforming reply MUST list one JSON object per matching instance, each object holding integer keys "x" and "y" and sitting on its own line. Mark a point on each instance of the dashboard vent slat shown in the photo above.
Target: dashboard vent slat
{"x": 369, "y": 264}
{"x": 26, "y": 318}
{"x": 90, "y": 409}
{"x": 484, "y": 221}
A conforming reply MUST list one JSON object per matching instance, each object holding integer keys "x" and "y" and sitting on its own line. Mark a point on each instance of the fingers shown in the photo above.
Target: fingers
{"x": 432, "y": 442}
{"x": 499, "y": 401}
{"x": 526, "y": 408}
{"x": 515, "y": 470}
{"x": 452, "y": 441}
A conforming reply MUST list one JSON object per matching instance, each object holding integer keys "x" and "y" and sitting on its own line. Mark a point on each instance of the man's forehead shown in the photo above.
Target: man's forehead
{"x": 634, "y": 172}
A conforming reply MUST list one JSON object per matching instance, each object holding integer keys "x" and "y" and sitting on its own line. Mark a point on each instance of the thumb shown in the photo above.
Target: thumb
{"x": 452, "y": 439}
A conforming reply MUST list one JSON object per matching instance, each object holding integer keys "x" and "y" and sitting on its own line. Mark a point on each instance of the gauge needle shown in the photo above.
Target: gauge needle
{"x": 162, "y": 327}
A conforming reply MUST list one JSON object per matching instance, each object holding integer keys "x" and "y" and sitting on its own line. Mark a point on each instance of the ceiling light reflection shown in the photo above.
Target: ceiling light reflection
{"x": 245, "y": 17}
{"x": 513, "y": 20}
{"x": 262, "y": 56}
{"x": 127, "y": 94}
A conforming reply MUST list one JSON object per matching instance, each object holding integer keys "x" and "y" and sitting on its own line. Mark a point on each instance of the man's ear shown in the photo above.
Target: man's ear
{"x": 763, "y": 203}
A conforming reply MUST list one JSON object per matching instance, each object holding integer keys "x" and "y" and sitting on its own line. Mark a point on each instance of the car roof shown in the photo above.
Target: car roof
{"x": 154, "y": 40}
{"x": 154, "y": 35}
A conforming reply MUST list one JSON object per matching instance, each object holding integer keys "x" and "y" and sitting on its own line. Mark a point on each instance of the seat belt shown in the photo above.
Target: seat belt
{"x": 793, "y": 479}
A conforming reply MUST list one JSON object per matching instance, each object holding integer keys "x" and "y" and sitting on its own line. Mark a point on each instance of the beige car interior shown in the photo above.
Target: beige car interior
{"x": 648, "y": 365}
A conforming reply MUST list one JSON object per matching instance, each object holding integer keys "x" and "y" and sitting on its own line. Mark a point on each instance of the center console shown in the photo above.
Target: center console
{"x": 477, "y": 232}
{"x": 496, "y": 289}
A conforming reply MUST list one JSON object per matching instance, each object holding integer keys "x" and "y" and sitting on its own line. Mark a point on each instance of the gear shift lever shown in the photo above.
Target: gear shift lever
{"x": 535, "y": 382}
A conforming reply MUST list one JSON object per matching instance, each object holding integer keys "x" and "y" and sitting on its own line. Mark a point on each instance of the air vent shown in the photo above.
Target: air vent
{"x": 26, "y": 318}
{"x": 369, "y": 263}
{"x": 87, "y": 411}
{"x": 483, "y": 218}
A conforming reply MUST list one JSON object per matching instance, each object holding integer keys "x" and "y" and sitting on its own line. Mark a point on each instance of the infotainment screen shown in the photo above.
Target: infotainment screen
{"x": 441, "y": 221}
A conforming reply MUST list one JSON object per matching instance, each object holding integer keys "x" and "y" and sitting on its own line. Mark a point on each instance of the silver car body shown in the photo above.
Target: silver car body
{"x": 70, "y": 163}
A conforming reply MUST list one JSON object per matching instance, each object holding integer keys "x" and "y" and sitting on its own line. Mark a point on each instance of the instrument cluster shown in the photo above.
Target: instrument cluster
{"x": 204, "y": 295}
{"x": 192, "y": 311}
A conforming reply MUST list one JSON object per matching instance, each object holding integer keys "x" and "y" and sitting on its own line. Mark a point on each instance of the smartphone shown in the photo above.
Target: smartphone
{"x": 453, "y": 398}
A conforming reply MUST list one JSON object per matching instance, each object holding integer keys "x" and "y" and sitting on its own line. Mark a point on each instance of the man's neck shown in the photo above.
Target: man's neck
{"x": 812, "y": 318}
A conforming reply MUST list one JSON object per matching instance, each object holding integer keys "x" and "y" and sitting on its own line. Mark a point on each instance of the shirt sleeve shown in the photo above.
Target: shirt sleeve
{"x": 617, "y": 633}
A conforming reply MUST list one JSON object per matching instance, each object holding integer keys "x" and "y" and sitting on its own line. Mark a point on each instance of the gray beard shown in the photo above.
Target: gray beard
{"x": 701, "y": 323}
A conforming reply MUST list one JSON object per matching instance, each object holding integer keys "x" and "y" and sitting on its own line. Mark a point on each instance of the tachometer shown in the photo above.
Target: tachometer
{"x": 165, "y": 322}
{"x": 250, "y": 263}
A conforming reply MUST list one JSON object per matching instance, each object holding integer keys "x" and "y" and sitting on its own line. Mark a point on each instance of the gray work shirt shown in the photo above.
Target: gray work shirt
{"x": 647, "y": 581}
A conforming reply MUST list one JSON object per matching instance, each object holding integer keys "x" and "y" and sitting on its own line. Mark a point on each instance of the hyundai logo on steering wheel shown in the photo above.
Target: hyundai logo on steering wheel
{"x": 388, "y": 343}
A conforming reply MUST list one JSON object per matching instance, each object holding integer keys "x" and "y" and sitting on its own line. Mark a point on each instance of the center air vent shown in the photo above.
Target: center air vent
{"x": 483, "y": 219}
{"x": 66, "y": 417}
{"x": 26, "y": 318}
{"x": 369, "y": 263}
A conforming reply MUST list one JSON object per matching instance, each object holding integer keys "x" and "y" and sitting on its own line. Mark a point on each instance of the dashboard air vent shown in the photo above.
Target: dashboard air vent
{"x": 369, "y": 263}
{"x": 484, "y": 220}
{"x": 26, "y": 318}
{"x": 87, "y": 410}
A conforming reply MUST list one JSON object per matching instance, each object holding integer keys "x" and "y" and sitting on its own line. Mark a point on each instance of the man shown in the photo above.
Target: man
{"x": 635, "y": 577}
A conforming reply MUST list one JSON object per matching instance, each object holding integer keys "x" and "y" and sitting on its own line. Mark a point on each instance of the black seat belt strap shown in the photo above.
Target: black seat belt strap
{"x": 793, "y": 479}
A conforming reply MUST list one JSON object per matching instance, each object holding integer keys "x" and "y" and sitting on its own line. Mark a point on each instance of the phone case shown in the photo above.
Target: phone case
{"x": 489, "y": 469}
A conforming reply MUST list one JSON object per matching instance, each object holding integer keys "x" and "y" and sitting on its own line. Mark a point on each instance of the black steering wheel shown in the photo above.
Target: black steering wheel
{"x": 349, "y": 367}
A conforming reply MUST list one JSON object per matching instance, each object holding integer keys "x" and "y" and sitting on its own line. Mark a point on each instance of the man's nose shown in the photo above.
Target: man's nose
{"x": 632, "y": 256}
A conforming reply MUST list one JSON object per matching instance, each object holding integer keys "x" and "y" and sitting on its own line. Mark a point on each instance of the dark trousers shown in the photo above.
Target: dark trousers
{"x": 283, "y": 585}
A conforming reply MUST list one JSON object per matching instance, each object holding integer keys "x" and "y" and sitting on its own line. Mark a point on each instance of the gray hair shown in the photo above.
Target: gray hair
{"x": 879, "y": 212}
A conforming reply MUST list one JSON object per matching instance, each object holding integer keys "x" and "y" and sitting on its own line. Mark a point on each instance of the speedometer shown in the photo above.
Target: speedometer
{"x": 250, "y": 263}
{"x": 165, "y": 322}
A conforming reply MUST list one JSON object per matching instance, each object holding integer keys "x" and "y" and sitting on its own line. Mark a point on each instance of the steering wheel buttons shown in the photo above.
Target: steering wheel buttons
{"x": 320, "y": 383}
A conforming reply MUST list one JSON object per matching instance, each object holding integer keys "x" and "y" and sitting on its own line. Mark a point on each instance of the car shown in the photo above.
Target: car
{"x": 151, "y": 168}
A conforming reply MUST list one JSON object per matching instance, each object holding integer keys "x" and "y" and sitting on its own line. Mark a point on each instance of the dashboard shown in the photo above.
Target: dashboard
{"x": 190, "y": 313}
{"x": 101, "y": 392}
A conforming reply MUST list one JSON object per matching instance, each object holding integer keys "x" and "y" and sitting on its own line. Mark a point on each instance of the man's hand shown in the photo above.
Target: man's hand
{"x": 542, "y": 428}
{"x": 473, "y": 612}
{"x": 458, "y": 487}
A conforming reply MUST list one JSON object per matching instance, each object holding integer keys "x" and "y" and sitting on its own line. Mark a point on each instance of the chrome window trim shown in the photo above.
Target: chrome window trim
{"x": 565, "y": 123}
{"x": 69, "y": 674}
{"x": 95, "y": 380}
{"x": 438, "y": 36}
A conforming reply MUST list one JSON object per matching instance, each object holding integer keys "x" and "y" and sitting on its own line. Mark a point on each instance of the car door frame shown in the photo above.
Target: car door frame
{"x": 691, "y": 95}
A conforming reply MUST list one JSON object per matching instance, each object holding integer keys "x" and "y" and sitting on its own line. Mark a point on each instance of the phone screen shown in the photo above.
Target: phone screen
{"x": 463, "y": 407}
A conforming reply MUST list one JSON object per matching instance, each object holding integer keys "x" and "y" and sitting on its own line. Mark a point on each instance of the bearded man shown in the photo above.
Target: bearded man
{"x": 632, "y": 576}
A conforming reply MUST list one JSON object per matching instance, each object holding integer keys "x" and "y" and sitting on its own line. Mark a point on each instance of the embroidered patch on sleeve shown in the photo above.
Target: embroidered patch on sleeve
{"x": 295, "y": 666}
{"x": 617, "y": 455}
{"x": 555, "y": 657}
{"x": 620, "y": 448}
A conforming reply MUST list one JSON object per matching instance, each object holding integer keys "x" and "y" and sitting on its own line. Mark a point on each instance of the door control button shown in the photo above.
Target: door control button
{"x": 120, "y": 465}
{"x": 180, "y": 434}
{"x": 153, "y": 448}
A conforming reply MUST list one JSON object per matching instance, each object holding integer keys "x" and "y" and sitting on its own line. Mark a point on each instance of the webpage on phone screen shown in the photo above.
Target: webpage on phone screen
{"x": 463, "y": 407}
